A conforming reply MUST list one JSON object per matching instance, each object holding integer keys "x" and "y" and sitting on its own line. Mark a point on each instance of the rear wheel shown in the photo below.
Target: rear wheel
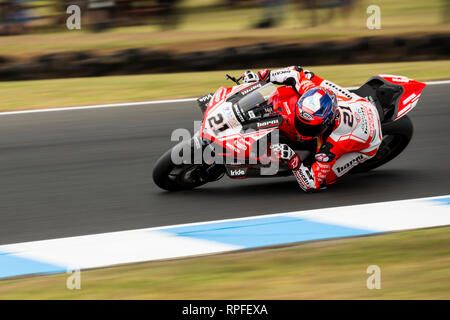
{"x": 396, "y": 137}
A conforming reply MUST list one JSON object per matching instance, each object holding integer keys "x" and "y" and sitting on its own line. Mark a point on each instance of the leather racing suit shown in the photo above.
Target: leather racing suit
{"x": 355, "y": 137}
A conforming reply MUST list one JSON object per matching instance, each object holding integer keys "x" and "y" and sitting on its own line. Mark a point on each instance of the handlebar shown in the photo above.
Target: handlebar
{"x": 228, "y": 77}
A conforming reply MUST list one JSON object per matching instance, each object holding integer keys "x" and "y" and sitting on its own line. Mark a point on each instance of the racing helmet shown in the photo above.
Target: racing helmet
{"x": 315, "y": 112}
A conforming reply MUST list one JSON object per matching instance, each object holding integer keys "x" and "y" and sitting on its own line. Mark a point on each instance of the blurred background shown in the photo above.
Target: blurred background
{"x": 36, "y": 16}
{"x": 72, "y": 173}
{"x": 127, "y": 37}
{"x": 188, "y": 25}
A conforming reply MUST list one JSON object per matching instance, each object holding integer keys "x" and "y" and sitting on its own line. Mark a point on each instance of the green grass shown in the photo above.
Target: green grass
{"x": 414, "y": 265}
{"x": 20, "y": 95}
{"x": 202, "y": 28}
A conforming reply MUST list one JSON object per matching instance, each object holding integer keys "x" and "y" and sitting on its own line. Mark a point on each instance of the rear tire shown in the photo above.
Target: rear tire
{"x": 396, "y": 137}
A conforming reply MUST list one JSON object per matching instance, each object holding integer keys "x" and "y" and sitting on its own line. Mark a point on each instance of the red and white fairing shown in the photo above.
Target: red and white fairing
{"x": 410, "y": 97}
{"x": 355, "y": 138}
{"x": 221, "y": 126}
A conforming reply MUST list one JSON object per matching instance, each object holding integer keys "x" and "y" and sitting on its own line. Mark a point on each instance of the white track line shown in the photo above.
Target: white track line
{"x": 98, "y": 106}
{"x": 430, "y": 83}
{"x": 133, "y": 104}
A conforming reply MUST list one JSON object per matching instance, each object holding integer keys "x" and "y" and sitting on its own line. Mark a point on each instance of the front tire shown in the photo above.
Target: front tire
{"x": 396, "y": 137}
{"x": 175, "y": 177}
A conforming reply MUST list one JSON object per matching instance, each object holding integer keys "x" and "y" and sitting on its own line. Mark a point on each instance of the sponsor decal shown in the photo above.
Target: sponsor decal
{"x": 293, "y": 164}
{"x": 233, "y": 122}
{"x": 407, "y": 100}
{"x": 409, "y": 106}
{"x": 250, "y": 89}
{"x": 206, "y": 98}
{"x": 306, "y": 115}
{"x": 371, "y": 122}
{"x": 300, "y": 181}
{"x": 307, "y": 181}
{"x": 323, "y": 166}
{"x": 237, "y": 172}
{"x": 267, "y": 123}
{"x": 230, "y": 117}
{"x": 277, "y": 73}
{"x": 238, "y": 113}
{"x": 364, "y": 124}
{"x": 322, "y": 157}
{"x": 349, "y": 164}
{"x": 400, "y": 79}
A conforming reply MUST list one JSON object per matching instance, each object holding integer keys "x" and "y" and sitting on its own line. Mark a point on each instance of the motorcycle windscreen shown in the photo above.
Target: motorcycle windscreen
{"x": 257, "y": 97}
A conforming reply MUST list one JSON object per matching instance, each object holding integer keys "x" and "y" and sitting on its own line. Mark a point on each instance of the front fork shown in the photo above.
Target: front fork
{"x": 211, "y": 171}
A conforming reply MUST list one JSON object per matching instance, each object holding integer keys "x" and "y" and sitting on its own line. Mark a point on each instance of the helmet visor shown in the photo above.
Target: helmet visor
{"x": 309, "y": 130}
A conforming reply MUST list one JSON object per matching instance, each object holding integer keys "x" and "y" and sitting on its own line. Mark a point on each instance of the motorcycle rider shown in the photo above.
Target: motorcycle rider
{"x": 346, "y": 126}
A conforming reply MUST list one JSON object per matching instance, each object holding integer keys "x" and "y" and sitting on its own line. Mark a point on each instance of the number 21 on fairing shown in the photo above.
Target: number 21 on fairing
{"x": 217, "y": 124}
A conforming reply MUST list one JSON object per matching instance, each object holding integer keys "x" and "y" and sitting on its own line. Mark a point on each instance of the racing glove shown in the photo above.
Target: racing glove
{"x": 277, "y": 76}
{"x": 303, "y": 174}
{"x": 249, "y": 77}
{"x": 308, "y": 74}
{"x": 285, "y": 153}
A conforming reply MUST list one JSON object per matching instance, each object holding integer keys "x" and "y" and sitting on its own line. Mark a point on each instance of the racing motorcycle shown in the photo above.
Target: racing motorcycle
{"x": 240, "y": 122}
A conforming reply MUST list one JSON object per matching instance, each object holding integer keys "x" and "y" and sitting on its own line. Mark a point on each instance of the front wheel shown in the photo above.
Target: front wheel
{"x": 396, "y": 137}
{"x": 185, "y": 176}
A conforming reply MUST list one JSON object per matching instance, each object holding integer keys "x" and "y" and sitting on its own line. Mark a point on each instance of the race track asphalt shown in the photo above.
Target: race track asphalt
{"x": 69, "y": 173}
